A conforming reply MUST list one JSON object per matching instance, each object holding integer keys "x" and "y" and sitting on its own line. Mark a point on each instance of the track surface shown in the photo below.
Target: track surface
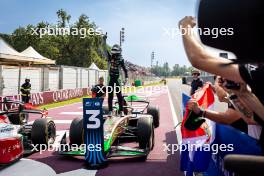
{"x": 159, "y": 162}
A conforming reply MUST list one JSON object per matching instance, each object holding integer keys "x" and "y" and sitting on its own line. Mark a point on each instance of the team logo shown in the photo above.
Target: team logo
{"x": 97, "y": 103}
{"x": 88, "y": 103}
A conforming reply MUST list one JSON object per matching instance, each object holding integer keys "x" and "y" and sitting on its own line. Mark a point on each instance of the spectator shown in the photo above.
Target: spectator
{"x": 196, "y": 82}
{"x": 202, "y": 59}
{"x": 243, "y": 74}
{"x": 229, "y": 117}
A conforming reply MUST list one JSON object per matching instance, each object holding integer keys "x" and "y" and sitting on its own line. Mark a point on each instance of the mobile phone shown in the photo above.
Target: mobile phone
{"x": 232, "y": 85}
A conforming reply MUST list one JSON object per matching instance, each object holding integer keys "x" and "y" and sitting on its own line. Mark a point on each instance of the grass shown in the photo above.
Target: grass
{"x": 77, "y": 100}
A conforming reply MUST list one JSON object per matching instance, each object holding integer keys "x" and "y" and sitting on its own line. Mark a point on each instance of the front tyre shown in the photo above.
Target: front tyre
{"x": 145, "y": 133}
{"x": 76, "y": 131}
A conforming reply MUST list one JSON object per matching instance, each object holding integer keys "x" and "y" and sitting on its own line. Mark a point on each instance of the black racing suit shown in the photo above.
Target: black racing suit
{"x": 115, "y": 63}
{"x": 25, "y": 92}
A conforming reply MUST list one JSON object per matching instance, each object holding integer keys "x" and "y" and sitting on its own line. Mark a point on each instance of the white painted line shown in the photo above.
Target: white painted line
{"x": 175, "y": 119}
{"x": 138, "y": 106}
{"x": 62, "y": 121}
{"x": 59, "y": 136}
{"x": 72, "y": 113}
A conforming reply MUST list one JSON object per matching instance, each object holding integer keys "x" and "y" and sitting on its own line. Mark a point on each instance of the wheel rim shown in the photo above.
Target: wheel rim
{"x": 51, "y": 133}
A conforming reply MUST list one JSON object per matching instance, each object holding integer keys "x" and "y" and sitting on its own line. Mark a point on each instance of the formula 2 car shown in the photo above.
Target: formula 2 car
{"x": 131, "y": 104}
{"x": 138, "y": 130}
{"x": 17, "y": 136}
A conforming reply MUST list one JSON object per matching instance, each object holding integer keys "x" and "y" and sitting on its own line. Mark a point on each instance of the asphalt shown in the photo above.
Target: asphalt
{"x": 160, "y": 161}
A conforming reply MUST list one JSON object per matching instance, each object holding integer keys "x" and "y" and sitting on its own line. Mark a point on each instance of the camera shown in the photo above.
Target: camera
{"x": 232, "y": 85}
{"x": 244, "y": 18}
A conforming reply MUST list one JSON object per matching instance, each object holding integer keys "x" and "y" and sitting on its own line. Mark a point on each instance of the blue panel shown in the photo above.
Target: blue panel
{"x": 93, "y": 132}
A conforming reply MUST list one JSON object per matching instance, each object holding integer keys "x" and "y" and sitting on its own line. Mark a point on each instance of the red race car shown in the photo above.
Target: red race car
{"x": 11, "y": 143}
{"x": 17, "y": 136}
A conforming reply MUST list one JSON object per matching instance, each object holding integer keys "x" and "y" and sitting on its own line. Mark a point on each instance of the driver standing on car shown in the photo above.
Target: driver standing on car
{"x": 115, "y": 63}
{"x": 25, "y": 90}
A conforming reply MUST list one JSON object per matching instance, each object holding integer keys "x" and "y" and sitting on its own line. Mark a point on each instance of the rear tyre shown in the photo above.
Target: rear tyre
{"x": 76, "y": 131}
{"x": 43, "y": 131}
{"x": 145, "y": 133}
{"x": 154, "y": 111}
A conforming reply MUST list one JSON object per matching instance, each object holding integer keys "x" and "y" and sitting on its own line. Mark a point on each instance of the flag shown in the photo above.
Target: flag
{"x": 194, "y": 157}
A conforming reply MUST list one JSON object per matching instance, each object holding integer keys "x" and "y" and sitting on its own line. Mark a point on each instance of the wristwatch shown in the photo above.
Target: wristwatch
{"x": 202, "y": 112}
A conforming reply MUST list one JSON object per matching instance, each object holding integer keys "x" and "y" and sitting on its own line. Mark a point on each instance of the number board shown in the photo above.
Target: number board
{"x": 93, "y": 132}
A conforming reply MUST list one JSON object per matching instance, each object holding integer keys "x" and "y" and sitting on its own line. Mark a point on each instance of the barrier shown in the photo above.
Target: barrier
{"x": 242, "y": 144}
{"x": 47, "y": 97}
{"x": 48, "y": 78}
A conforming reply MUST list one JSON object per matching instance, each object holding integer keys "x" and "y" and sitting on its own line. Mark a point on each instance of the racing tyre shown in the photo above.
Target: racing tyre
{"x": 76, "y": 131}
{"x": 154, "y": 111}
{"x": 145, "y": 133}
{"x": 43, "y": 131}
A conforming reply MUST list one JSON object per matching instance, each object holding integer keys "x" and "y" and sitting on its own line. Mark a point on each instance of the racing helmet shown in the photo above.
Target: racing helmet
{"x": 116, "y": 49}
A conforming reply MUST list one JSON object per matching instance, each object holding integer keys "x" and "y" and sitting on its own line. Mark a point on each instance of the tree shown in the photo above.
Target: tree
{"x": 63, "y": 17}
{"x": 72, "y": 50}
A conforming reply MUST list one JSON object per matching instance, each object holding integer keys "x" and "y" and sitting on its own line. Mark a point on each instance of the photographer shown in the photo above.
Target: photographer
{"x": 196, "y": 82}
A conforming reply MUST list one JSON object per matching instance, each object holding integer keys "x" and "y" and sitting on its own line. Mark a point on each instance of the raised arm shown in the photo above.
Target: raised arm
{"x": 202, "y": 59}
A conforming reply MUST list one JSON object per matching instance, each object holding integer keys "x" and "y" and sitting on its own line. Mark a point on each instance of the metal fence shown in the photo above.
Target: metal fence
{"x": 188, "y": 79}
{"x": 45, "y": 78}
{"x": 53, "y": 78}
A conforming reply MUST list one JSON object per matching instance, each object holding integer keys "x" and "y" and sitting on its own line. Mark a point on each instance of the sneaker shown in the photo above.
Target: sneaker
{"x": 110, "y": 113}
{"x": 122, "y": 113}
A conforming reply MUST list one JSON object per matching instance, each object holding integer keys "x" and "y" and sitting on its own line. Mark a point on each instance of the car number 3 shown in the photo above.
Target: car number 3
{"x": 93, "y": 118}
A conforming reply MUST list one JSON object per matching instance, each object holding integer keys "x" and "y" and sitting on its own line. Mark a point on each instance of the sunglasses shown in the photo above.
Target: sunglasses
{"x": 196, "y": 74}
